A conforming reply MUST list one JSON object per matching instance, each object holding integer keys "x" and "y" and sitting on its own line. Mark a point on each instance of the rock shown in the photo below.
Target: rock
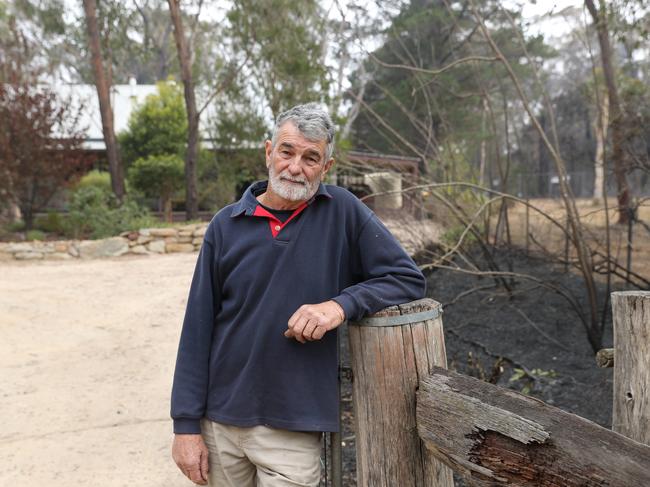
{"x": 171, "y": 240}
{"x": 197, "y": 241}
{"x": 189, "y": 228}
{"x": 73, "y": 249}
{"x": 157, "y": 246}
{"x": 138, "y": 249}
{"x": 108, "y": 247}
{"x": 186, "y": 239}
{"x": 200, "y": 232}
{"x": 61, "y": 246}
{"x": 185, "y": 233}
{"x": 39, "y": 246}
{"x": 144, "y": 239}
{"x": 19, "y": 247}
{"x": 28, "y": 255}
{"x": 180, "y": 247}
{"x": 163, "y": 232}
{"x": 144, "y": 231}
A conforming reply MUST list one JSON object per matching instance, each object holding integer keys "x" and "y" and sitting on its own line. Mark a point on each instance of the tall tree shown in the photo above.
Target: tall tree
{"x": 283, "y": 43}
{"x": 103, "y": 85}
{"x": 192, "y": 154}
{"x": 599, "y": 16}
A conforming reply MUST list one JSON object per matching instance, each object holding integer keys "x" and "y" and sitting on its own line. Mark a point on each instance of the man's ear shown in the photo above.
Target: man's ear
{"x": 328, "y": 165}
{"x": 268, "y": 148}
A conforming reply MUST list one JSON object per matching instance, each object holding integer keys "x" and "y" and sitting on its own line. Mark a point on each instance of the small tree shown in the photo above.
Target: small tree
{"x": 158, "y": 126}
{"x": 158, "y": 176}
{"x": 40, "y": 146}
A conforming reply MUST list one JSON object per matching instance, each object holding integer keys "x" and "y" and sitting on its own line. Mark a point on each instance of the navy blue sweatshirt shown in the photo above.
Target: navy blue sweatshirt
{"x": 234, "y": 364}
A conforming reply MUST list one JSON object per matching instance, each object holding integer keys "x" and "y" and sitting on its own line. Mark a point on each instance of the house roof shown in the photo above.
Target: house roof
{"x": 124, "y": 99}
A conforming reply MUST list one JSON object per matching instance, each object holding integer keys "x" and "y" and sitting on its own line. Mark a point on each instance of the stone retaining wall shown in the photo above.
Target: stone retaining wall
{"x": 185, "y": 238}
{"x": 415, "y": 235}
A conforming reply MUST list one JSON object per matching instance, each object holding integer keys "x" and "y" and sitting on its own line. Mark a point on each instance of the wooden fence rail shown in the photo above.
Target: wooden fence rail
{"x": 496, "y": 436}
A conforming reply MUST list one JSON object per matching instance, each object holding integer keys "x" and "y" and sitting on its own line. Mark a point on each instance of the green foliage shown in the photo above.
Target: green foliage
{"x": 158, "y": 175}
{"x": 96, "y": 214}
{"x": 16, "y": 226}
{"x": 96, "y": 179}
{"x": 452, "y": 235}
{"x": 158, "y": 126}
{"x": 283, "y": 41}
{"x": 52, "y": 222}
{"x": 527, "y": 379}
{"x": 439, "y": 116}
{"x": 35, "y": 235}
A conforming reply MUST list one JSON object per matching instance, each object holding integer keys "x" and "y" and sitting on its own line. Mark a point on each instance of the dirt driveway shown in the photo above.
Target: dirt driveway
{"x": 87, "y": 352}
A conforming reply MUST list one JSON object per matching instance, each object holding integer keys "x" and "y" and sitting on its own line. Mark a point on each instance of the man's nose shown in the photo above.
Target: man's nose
{"x": 294, "y": 166}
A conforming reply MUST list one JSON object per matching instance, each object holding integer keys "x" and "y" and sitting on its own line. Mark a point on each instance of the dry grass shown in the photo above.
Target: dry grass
{"x": 544, "y": 236}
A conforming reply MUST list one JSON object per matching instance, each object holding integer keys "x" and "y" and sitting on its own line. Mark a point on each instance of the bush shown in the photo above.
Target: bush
{"x": 160, "y": 175}
{"x": 51, "y": 223}
{"x": 96, "y": 179}
{"x": 95, "y": 213}
{"x": 34, "y": 235}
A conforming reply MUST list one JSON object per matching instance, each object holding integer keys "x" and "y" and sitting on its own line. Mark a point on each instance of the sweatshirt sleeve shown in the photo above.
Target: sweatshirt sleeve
{"x": 189, "y": 391}
{"x": 388, "y": 276}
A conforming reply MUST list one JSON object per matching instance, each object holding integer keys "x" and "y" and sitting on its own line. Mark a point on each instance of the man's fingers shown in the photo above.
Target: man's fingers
{"x": 195, "y": 476}
{"x": 205, "y": 466}
{"x": 309, "y": 330}
{"x": 319, "y": 333}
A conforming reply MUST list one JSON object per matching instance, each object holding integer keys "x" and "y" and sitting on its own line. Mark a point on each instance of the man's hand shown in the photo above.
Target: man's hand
{"x": 191, "y": 455}
{"x": 312, "y": 321}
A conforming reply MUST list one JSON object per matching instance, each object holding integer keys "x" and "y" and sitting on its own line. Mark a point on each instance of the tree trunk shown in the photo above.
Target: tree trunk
{"x": 600, "y": 127}
{"x": 192, "y": 155}
{"x": 103, "y": 93}
{"x": 631, "y": 314}
{"x": 495, "y": 436}
{"x": 387, "y": 361}
{"x": 167, "y": 208}
{"x": 616, "y": 113}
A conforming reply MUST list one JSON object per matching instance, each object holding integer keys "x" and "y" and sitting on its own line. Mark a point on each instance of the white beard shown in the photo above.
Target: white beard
{"x": 290, "y": 191}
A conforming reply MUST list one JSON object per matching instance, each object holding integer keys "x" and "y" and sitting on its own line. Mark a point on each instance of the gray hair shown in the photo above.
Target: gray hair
{"x": 312, "y": 121}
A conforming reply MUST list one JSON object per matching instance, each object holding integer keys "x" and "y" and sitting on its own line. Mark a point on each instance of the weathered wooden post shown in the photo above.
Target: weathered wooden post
{"x": 391, "y": 352}
{"x": 631, "y": 314}
{"x": 494, "y": 436}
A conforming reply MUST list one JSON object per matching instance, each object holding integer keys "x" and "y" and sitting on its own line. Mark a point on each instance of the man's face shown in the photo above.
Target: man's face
{"x": 296, "y": 164}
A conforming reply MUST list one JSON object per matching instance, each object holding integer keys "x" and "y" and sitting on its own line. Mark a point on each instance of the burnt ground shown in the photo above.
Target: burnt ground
{"x": 487, "y": 336}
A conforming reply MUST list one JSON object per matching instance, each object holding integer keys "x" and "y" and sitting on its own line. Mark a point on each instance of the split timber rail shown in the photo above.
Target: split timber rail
{"x": 416, "y": 421}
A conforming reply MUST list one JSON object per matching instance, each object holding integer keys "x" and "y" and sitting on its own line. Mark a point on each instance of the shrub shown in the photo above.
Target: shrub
{"x": 95, "y": 213}
{"x": 161, "y": 176}
{"x": 97, "y": 179}
{"x": 34, "y": 235}
{"x": 50, "y": 223}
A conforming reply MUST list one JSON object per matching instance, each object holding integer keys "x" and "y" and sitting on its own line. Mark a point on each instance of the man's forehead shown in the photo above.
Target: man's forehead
{"x": 289, "y": 134}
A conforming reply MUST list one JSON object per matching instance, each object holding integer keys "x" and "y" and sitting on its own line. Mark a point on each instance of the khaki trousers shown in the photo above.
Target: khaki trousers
{"x": 261, "y": 456}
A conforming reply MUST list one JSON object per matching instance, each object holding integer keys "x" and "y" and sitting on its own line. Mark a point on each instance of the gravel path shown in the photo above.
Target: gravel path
{"x": 86, "y": 361}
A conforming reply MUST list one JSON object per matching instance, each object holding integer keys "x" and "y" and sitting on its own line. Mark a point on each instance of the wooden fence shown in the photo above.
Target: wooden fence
{"x": 416, "y": 420}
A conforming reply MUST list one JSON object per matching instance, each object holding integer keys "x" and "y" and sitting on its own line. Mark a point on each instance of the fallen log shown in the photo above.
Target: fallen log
{"x": 495, "y": 436}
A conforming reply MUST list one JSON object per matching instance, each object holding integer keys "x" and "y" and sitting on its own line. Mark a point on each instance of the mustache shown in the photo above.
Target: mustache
{"x": 287, "y": 177}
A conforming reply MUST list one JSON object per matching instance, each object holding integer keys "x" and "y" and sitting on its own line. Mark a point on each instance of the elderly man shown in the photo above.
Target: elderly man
{"x": 256, "y": 373}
